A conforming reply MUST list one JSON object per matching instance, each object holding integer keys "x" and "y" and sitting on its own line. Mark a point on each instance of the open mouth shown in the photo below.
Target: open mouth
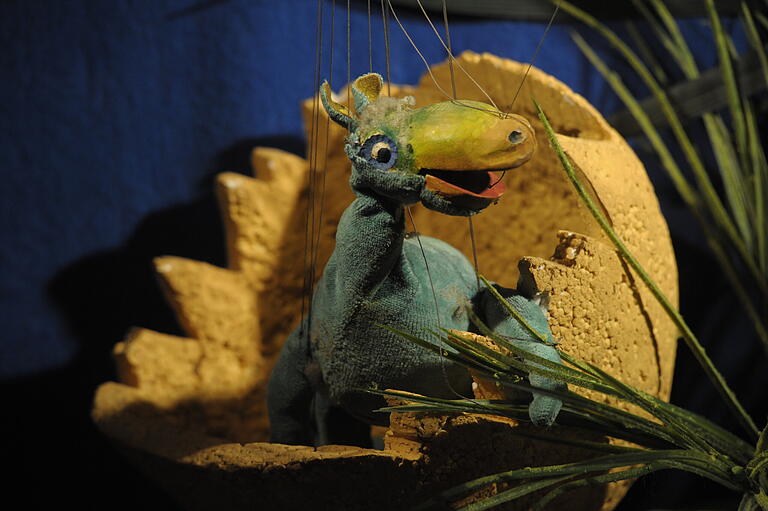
{"x": 473, "y": 189}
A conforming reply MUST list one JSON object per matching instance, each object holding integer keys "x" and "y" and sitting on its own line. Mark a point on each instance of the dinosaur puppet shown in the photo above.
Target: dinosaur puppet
{"x": 440, "y": 155}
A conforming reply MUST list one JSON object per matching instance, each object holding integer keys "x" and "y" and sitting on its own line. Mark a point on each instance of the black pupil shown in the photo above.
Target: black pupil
{"x": 514, "y": 136}
{"x": 383, "y": 155}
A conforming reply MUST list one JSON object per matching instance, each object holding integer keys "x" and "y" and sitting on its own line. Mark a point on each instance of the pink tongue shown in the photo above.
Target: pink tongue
{"x": 495, "y": 190}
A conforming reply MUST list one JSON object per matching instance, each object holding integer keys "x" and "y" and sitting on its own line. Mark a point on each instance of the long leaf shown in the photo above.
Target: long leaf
{"x": 754, "y": 38}
{"x": 611, "y": 477}
{"x": 686, "y": 61}
{"x": 669, "y": 38}
{"x": 760, "y": 184}
{"x": 515, "y": 493}
{"x": 594, "y": 410}
{"x": 645, "y": 51}
{"x": 597, "y": 464}
{"x": 756, "y": 150}
{"x": 460, "y": 358}
{"x": 734, "y": 187}
{"x": 661, "y": 459}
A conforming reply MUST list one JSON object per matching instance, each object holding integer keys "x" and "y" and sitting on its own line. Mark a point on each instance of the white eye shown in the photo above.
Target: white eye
{"x": 380, "y": 151}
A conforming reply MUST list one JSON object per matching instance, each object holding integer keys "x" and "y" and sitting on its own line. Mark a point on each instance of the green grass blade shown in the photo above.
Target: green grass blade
{"x": 605, "y": 421}
{"x": 622, "y": 424}
{"x": 621, "y": 475}
{"x": 631, "y": 473}
{"x": 734, "y": 186}
{"x": 749, "y": 503}
{"x": 723, "y": 440}
{"x": 762, "y": 19}
{"x": 668, "y": 414}
{"x": 596, "y": 464}
{"x": 665, "y": 460}
{"x": 731, "y": 168}
{"x": 681, "y": 422}
{"x": 762, "y": 440}
{"x": 492, "y": 359}
{"x": 517, "y": 492}
{"x": 686, "y": 460}
{"x": 754, "y": 38}
{"x": 531, "y": 362}
{"x": 729, "y": 77}
{"x": 646, "y": 53}
{"x": 760, "y": 181}
{"x": 662, "y": 411}
{"x": 712, "y": 434}
{"x": 499, "y": 373}
{"x": 693, "y": 343}
{"x": 671, "y": 39}
{"x": 756, "y": 152}
{"x": 666, "y": 41}
{"x": 573, "y": 442}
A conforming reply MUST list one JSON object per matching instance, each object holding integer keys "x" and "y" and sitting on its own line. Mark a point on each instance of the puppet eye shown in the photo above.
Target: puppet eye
{"x": 380, "y": 151}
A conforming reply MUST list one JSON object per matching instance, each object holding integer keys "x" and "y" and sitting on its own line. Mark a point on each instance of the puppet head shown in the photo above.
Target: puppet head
{"x": 447, "y": 155}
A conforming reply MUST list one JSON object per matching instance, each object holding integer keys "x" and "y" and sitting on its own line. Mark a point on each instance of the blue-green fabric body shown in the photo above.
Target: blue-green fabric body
{"x": 377, "y": 275}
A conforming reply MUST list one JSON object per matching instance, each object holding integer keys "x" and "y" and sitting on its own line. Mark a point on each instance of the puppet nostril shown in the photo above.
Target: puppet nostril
{"x": 516, "y": 137}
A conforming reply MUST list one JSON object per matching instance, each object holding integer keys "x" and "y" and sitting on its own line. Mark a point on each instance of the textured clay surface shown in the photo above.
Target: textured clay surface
{"x": 190, "y": 412}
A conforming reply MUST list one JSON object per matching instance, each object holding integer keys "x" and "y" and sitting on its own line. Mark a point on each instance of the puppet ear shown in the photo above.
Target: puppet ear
{"x": 366, "y": 90}
{"x": 336, "y": 111}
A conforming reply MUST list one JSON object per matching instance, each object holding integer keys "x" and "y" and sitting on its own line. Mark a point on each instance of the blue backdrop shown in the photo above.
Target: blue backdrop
{"x": 116, "y": 115}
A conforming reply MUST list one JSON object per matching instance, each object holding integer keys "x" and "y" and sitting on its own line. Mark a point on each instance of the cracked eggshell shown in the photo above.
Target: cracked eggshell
{"x": 191, "y": 412}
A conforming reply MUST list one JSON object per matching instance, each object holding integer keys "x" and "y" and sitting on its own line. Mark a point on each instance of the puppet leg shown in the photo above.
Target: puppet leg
{"x": 290, "y": 393}
{"x": 543, "y": 409}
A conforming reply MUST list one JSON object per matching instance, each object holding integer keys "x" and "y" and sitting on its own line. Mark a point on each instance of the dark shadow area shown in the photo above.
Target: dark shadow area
{"x": 63, "y": 459}
{"x": 375, "y": 483}
{"x": 99, "y": 298}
